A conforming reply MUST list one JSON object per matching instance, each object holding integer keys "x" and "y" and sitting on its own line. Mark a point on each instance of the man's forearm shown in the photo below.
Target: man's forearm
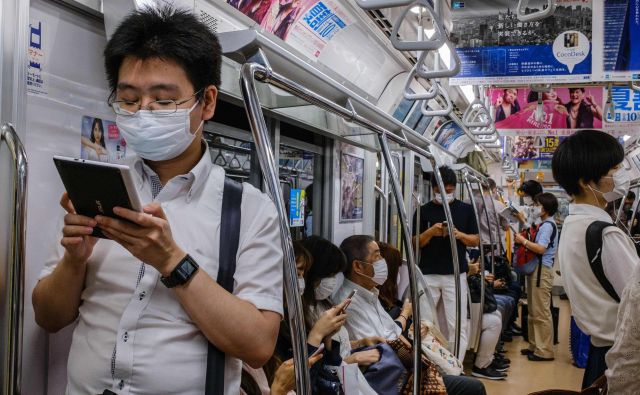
{"x": 56, "y": 298}
{"x": 233, "y": 325}
{"x": 469, "y": 240}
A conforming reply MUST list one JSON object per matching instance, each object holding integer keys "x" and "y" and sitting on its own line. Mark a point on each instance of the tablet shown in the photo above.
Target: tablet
{"x": 95, "y": 188}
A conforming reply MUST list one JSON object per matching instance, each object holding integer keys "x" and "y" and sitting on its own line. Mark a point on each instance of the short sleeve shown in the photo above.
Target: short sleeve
{"x": 259, "y": 271}
{"x": 619, "y": 258}
{"x": 544, "y": 235}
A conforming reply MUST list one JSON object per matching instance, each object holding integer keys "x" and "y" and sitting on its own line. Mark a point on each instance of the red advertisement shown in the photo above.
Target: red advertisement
{"x": 564, "y": 108}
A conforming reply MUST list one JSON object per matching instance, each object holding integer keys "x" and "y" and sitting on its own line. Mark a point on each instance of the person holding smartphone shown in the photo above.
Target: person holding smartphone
{"x": 146, "y": 302}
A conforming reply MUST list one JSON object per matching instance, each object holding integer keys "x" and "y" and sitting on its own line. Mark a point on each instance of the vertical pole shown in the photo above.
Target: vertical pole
{"x": 486, "y": 213}
{"x": 477, "y": 215}
{"x": 268, "y": 164}
{"x": 413, "y": 287}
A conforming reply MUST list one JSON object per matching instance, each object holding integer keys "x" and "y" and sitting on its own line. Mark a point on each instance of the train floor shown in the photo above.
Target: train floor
{"x": 526, "y": 376}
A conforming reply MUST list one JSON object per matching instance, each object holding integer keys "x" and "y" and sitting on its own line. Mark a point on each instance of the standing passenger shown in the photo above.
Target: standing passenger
{"x": 588, "y": 165}
{"x": 436, "y": 260}
{"x": 146, "y": 300}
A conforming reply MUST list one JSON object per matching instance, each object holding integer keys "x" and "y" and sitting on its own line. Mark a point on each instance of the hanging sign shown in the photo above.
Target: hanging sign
{"x": 534, "y": 147}
{"x": 452, "y": 138}
{"x": 616, "y": 28}
{"x": 495, "y": 47}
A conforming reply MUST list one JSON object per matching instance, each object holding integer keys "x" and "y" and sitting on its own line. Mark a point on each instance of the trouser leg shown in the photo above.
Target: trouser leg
{"x": 596, "y": 365}
{"x": 532, "y": 339}
{"x": 540, "y": 314}
{"x": 449, "y": 299}
{"x": 463, "y": 385}
{"x": 491, "y": 328}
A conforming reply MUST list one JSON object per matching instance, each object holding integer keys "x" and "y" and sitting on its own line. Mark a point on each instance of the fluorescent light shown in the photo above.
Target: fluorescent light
{"x": 429, "y": 32}
{"x": 445, "y": 55}
{"x": 626, "y": 137}
{"x": 467, "y": 90}
{"x": 416, "y": 10}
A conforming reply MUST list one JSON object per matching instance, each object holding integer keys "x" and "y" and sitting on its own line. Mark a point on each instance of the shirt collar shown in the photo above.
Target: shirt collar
{"x": 371, "y": 296}
{"x": 196, "y": 177}
{"x": 590, "y": 210}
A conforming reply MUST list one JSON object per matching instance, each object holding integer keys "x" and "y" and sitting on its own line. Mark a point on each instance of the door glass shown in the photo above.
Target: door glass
{"x": 296, "y": 169}
{"x": 231, "y": 154}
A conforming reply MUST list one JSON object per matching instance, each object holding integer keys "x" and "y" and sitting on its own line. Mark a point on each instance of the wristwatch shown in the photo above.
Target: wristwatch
{"x": 182, "y": 273}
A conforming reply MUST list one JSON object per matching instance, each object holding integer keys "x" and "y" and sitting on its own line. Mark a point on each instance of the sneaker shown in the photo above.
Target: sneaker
{"x": 488, "y": 373}
{"x": 526, "y": 351}
{"x": 501, "y": 350}
{"x": 499, "y": 366}
{"x": 500, "y": 357}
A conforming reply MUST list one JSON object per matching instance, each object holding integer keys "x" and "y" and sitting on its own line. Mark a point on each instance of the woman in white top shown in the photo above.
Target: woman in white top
{"x": 588, "y": 165}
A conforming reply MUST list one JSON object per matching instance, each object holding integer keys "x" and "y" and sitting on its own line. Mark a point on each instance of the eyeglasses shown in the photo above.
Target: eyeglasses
{"x": 158, "y": 107}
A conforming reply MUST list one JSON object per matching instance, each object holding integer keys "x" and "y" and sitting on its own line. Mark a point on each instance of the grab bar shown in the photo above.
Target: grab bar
{"x": 451, "y": 71}
{"x": 435, "y": 42}
{"x": 535, "y": 16}
{"x": 14, "y": 305}
{"x": 435, "y": 113}
{"x": 409, "y": 95}
{"x": 253, "y": 71}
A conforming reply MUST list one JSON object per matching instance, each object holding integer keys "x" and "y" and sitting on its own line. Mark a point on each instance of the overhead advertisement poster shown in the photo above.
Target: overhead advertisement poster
{"x": 452, "y": 138}
{"x": 565, "y": 110}
{"x": 495, "y": 47}
{"x": 616, "y": 29}
{"x": 306, "y": 25}
{"x": 626, "y": 105}
{"x": 534, "y": 147}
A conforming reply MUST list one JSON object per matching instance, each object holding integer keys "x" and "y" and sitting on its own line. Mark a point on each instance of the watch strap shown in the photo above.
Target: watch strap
{"x": 182, "y": 273}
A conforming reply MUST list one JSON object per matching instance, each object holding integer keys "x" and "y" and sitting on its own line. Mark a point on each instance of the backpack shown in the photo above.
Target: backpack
{"x": 229, "y": 240}
{"x": 525, "y": 262}
{"x": 593, "y": 242}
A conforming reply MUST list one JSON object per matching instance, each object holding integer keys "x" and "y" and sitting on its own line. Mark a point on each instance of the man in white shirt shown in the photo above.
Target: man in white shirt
{"x": 588, "y": 165}
{"x": 366, "y": 269}
{"x": 134, "y": 335}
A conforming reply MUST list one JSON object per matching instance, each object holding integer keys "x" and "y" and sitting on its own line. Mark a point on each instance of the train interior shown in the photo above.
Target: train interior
{"x": 343, "y": 117}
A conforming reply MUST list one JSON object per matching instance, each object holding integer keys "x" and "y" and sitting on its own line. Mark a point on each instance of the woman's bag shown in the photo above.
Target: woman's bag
{"x": 431, "y": 382}
{"x": 599, "y": 387}
{"x": 475, "y": 289}
{"x": 387, "y": 375}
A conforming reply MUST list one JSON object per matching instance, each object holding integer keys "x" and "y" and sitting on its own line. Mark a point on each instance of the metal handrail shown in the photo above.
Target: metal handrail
{"x": 451, "y": 71}
{"x": 427, "y": 95}
{"x": 378, "y": 4}
{"x": 435, "y": 42}
{"x": 12, "y": 383}
{"x": 251, "y": 71}
{"x": 535, "y": 16}
{"x": 442, "y": 112}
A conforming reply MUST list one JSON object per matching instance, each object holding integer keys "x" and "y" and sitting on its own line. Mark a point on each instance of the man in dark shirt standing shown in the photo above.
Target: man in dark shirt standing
{"x": 436, "y": 260}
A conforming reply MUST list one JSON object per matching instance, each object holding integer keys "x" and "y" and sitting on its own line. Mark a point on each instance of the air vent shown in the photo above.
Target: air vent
{"x": 209, "y": 20}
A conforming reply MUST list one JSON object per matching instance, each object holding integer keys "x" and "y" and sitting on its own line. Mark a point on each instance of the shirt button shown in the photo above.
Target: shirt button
{"x": 125, "y": 337}
{"x": 142, "y": 295}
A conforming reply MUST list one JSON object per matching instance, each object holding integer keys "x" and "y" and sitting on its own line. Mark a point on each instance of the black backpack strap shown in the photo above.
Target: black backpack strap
{"x": 229, "y": 240}
{"x": 550, "y": 245}
{"x": 593, "y": 241}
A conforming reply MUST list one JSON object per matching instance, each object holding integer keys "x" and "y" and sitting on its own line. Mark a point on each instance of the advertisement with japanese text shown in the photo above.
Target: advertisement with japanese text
{"x": 564, "y": 109}
{"x": 626, "y": 111}
{"x": 307, "y": 25}
{"x": 496, "y": 47}
{"x": 534, "y": 147}
{"x": 296, "y": 207}
{"x": 616, "y": 48}
{"x": 452, "y": 138}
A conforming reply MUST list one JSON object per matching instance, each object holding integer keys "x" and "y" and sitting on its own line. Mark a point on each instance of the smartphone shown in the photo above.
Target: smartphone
{"x": 349, "y": 298}
{"x": 318, "y": 351}
{"x": 95, "y": 188}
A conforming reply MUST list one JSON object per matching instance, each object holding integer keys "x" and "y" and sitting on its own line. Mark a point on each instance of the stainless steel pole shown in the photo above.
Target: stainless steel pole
{"x": 486, "y": 213}
{"x": 475, "y": 211}
{"x": 267, "y": 163}
{"x": 14, "y": 305}
{"x": 406, "y": 236}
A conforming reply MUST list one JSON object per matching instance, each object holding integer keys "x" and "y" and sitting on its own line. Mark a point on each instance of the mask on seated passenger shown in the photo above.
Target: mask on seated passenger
{"x": 301, "y": 285}
{"x": 380, "y": 271}
{"x": 328, "y": 286}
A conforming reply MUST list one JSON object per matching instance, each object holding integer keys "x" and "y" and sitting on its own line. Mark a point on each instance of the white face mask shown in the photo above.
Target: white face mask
{"x": 158, "y": 137}
{"x": 301, "y": 285}
{"x": 621, "y": 185}
{"x": 528, "y": 200}
{"x": 450, "y": 197}
{"x": 535, "y": 212}
{"x": 328, "y": 286}
{"x": 380, "y": 271}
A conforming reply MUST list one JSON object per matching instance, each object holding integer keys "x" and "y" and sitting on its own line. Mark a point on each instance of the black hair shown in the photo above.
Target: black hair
{"x": 579, "y": 88}
{"x": 548, "y": 201}
{"x": 631, "y": 195}
{"x": 300, "y": 252}
{"x": 328, "y": 260}
{"x": 531, "y": 188}
{"x": 492, "y": 184}
{"x": 169, "y": 34}
{"x": 97, "y": 121}
{"x": 355, "y": 248}
{"x": 587, "y": 155}
{"x": 308, "y": 193}
{"x": 448, "y": 177}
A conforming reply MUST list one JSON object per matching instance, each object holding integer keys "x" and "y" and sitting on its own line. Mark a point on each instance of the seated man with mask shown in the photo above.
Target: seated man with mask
{"x": 146, "y": 301}
{"x": 366, "y": 270}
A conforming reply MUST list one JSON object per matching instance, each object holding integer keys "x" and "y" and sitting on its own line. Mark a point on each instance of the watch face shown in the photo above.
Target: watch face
{"x": 182, "y": 273}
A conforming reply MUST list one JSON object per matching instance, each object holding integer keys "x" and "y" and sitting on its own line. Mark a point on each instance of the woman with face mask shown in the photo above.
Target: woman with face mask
{"x": 322, "y": 280}
{"x": 527, "y": 191}
{"x": 589, "y": 166}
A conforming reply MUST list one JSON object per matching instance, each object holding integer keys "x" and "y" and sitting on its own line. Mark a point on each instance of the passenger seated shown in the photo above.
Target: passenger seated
{"x": 588, "y": 165}
{"x": 365, "y": 271}
{"x": 388, "y": 292}
{"x": 485, "y": 365}
{"x": 436, "y": 261}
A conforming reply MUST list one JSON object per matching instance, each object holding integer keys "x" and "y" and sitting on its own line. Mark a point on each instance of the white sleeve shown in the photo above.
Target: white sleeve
{"x": 619, "y": 258}
{"x": 259, "y": 274}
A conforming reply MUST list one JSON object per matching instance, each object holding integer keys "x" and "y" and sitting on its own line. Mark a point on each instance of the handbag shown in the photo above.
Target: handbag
{"x": 387, "y": 375}
{"x": 599, "y": 387}
{"x": 475, "y": 288}
{"x": 431, "y": 382}
{"x": 447, "y": 363}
